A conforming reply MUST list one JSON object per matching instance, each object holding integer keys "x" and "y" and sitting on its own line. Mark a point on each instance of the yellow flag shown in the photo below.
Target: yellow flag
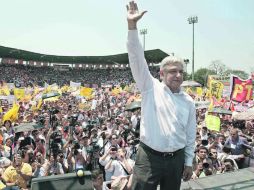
{"x": 19, "y": 93}
{"x": 12, "y": 114}
{"x": 87, "y": 92}
{"x": 199, "y": 91}
{"x": 26, "y": 98}
{"x": 64, "y": 88}
{"x": 1, "y": 110}
{"x": 116, "y": 91}
{"x": 127, "y": 88}
{"x": 36, "y": 91}
{"x": 4, "y": 91}
{"x": 39, "y": 104}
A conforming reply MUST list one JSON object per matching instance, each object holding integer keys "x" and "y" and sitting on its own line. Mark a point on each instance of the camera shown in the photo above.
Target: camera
{"x": 73, "y": 119}
{"x": 204, "y": 142}
{"x": 91, "y": 124}
{"x": 113, "y": 149}
{"x": 54, "y": 111}
{"x": 41, "y": 119}
{"x": 134, "y": 142}
{"x": 56, "y": 137}
{"x": 76, "y": 148}
{"x": 205, "y": 165}
{"x": 94, "y": 147}
{"x": 54, "y": 147}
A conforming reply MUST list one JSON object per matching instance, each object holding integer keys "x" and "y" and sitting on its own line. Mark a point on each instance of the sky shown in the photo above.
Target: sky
{"x": 224, "y": 32}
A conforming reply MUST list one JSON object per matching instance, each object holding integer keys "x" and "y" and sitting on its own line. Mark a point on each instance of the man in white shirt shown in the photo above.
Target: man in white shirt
{"x": 168, "y": 118}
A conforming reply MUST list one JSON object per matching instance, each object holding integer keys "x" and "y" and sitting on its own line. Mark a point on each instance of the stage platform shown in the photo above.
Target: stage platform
{"x": 242, "y": 180}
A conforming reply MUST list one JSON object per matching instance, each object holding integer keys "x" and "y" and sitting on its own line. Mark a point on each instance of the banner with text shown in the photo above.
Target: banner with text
{"x": 241, "y": 90}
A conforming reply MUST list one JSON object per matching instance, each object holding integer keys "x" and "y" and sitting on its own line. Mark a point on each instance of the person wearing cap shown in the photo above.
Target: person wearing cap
{"x": 168, "y": 117}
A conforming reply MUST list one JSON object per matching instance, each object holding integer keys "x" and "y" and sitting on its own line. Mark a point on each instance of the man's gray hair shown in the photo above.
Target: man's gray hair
{"x": 171, "y": 60}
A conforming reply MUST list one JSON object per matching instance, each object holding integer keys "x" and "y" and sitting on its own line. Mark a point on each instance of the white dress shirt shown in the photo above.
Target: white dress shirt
{"x": 168, "y": 120}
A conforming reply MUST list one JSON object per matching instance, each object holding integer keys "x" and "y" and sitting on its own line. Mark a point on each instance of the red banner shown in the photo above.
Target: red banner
{"x": 241, "y": 90}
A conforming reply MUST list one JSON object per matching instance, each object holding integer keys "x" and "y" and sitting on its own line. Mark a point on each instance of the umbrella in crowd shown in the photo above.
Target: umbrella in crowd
{"x": 220, "y": 110}
{"x": 50, "y": 95}
{"x": 24, "y": 127}
{"x": 247, "y": 115}
{"x": 190, "y": 83}
{"x": 133, "y": 106}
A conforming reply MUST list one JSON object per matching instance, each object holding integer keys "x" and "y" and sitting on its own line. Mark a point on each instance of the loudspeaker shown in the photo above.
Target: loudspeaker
{"x": 63, "y": 182}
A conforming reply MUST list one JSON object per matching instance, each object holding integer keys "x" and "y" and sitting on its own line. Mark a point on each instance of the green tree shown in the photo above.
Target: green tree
{"x": 239, "y": 73}
{"x": 200, "y": 75}
{"x": 218, "y": 67}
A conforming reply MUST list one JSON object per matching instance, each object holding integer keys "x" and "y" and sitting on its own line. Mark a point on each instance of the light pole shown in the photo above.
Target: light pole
{"x": 192, "y": 20}
{"x": 186, "y": 61}
{"x": 144, "y": 32}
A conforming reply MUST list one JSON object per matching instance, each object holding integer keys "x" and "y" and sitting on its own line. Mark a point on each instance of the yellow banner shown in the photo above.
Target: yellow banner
{"x": 199, "y": 91}
{"x": 4, "y": 91}
{"x": 116, "y": 91}
{"x": 212, "y": 122}
{"x": 19, "y": 93}
{"x": 87, "y": 92}
{"x": 216, "y": 88}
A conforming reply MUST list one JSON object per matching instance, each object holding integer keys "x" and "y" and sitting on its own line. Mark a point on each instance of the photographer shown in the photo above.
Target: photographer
{"x": 39, "y": 165}
{"x": 120, "y": 165}
{"x": 227, "y": 166}
{"x": 204, "y": 168}
{"x": 111, "y": 154}
{"x": 200, "y": 155}
{"x": 213, "y": 155}
{"x": 111, "y": 142}
{"x": 54, "y": 167}
{"x": 63, "y": 162}
{"x": 226, "y": 154}
{"x": 93, "y": 152}
{"x": 132, "y": 147}
{"x": 80, "y": 162}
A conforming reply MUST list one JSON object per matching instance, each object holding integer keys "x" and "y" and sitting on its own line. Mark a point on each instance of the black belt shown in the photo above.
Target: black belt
{"x": 162, "y": 154}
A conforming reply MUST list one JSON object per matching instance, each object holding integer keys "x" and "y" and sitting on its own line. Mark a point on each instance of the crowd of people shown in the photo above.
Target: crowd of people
{"x": 26, "y": 75}
{"x": 108, "y": 134}
{"x": 103, "y": 140}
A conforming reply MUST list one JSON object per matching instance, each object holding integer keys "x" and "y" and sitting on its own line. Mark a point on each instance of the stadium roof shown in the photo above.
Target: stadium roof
{"x": 152, "y": 56}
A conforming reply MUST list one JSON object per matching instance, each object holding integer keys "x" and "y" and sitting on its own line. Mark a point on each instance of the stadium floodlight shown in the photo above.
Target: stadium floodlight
{"x": 143, "y": 32}
{"x": 192, "y": 20}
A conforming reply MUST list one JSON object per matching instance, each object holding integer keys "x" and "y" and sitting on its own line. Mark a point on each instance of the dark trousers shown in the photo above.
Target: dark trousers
{"x": 12, "y": 188}
{"x": 151, "y": 169}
